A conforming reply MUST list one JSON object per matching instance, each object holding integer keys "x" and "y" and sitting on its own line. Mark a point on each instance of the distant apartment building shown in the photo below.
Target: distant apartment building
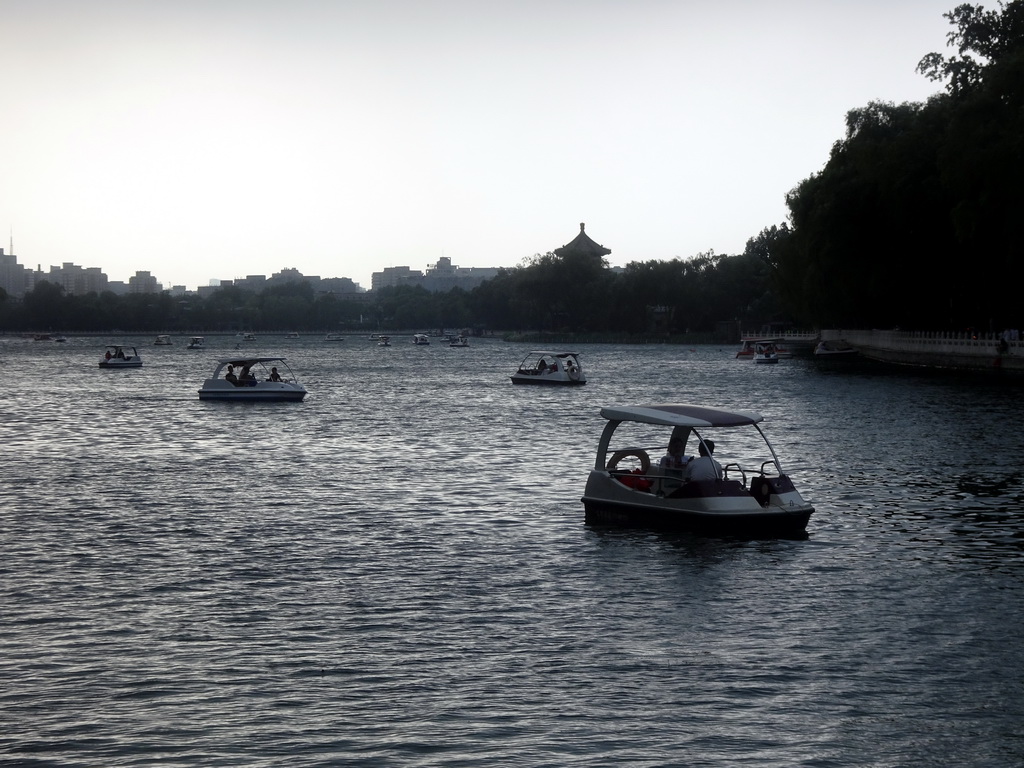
{"x": 336, "y": 285}
{"x": 255, "y": 283}
{"x": 143, "y": 282}
{"x": 76, "y": 280}
{"x": 442, "y": 276}
{"x": 17, "y": 280}
{"x": 392, "y": 277}
{"x": 14, "y": 278}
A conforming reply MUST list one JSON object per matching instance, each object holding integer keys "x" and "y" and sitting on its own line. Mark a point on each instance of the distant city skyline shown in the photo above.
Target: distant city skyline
{"x": 215, "y": 139}
{"x": 17, "y": 278}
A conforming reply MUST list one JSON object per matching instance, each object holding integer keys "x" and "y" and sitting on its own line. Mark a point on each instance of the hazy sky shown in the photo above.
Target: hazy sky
{"x": 203, "y": 139}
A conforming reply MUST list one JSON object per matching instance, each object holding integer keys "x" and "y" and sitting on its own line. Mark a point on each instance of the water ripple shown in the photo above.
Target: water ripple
{"x": 396, "y": 571}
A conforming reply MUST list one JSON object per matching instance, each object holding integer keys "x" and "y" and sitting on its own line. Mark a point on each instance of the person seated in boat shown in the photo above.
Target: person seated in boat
{"x": 704, "y": 467}
{"x": 274, "y": 375}
{"x": 120, "y": 354}
{"x": 542, "y": 367}
{"x": 230, "y": 375}
{"x": 675, "y": 458}
{"x": 246, "y": 378}
{"x": 107, "y": 356}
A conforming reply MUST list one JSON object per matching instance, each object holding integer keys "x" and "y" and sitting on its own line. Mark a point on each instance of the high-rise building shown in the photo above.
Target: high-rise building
{"x": 14, "y": 278}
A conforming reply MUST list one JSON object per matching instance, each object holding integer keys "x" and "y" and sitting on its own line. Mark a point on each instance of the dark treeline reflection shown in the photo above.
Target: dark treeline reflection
{"x": 914, "y": 221}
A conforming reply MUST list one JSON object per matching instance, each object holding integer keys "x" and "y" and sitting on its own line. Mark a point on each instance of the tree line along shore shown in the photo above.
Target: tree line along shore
{"x": 913, "y": 222}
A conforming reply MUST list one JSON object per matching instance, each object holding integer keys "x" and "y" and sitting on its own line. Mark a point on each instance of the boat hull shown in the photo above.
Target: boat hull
{"x": 264, "y": 392}
{"x": 726, "y": 509}
{"x": 253, "y": 397}
{"x": 120, "y": 363}
{"x": 753, "y": 524}
{"x": 548, "y": 381}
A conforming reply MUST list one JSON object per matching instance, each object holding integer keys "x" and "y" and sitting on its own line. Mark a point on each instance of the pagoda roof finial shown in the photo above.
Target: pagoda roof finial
{"x": 583, "y": 244}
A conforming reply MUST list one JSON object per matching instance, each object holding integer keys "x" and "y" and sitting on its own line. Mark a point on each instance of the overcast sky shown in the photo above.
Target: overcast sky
{"x": 211, "y": 139}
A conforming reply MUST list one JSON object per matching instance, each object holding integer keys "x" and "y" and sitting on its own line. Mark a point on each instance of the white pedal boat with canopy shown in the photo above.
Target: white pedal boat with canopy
{"x": 746, "y": 495}
{"x": 252, "y": 379}
{"x": 550, "y": 368}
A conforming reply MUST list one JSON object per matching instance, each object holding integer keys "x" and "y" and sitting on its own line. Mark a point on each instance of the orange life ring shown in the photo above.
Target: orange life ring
{"x": 645, "y": 460}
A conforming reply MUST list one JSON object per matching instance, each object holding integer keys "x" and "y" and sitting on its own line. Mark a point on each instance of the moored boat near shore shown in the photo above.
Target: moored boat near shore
{"x": 834, "y": 349}
{"x": 765, "y": 353}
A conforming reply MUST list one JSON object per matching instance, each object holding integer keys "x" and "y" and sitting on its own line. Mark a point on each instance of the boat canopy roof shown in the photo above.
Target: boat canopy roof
{"x": 556, "y": 353}
{"x": 681, "y": 415}
{"x": 243, "y": 361}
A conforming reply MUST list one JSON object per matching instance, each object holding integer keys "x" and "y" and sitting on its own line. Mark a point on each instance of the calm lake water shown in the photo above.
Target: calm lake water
{"x": 396, "y": 572}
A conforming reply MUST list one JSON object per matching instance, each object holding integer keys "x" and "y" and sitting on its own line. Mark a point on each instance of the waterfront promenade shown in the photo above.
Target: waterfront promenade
{"x": 960, "y": 351}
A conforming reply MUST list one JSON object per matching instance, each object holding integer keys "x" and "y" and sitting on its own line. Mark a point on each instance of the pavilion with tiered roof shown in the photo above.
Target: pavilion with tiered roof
{"x": 582, "y": 245}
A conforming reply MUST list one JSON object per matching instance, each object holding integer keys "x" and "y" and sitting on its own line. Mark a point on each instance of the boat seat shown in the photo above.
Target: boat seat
{"x": 635, "y": 479}
{"x": 762, "y": 487}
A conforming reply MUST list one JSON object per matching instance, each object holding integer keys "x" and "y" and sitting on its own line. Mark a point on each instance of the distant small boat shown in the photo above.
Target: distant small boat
{"x": 198, "y": 342}
{"x": 247, "y": 336}
{"x": 459, "y": 341}
{"x": 383, "y": 341}
{"x": 765, "y": 353}
{"x": 749, "y": 345}
{"x": 334, "y": 337}
{"x": 550, "y": 368}
{"x": 118, "y": 356}
{"x": 834, "y": 349}
{"x": 421, "y": 339}
{"x": 163, "y": 340}
{"x": 292, "y": 335}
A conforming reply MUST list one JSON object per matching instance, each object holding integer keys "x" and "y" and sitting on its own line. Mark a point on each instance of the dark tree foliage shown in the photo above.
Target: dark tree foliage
{"x": 915, "y": 219}
{"x": 547, "y": 293}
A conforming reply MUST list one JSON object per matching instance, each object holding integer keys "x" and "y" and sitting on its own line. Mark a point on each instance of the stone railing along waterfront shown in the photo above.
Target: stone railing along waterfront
{"x": 961, "y": 350}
